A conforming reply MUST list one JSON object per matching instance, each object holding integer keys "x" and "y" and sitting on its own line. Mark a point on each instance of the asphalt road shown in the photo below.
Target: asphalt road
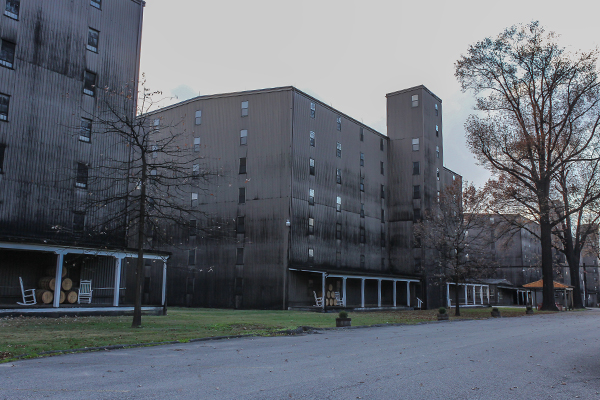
{"x": 535, "y": 357}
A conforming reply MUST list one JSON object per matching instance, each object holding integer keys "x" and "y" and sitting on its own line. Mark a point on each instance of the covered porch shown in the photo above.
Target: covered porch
{"x": 37, "y": 279}
{"x": 470, "y": 294}
{"x": 323, "y": 290}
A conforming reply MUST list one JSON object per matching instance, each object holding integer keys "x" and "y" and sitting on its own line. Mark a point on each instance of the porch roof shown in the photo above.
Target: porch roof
{"x": 540, "y": 284}
{"x": 359, "y": 275}
{"x": 58, "y": 249}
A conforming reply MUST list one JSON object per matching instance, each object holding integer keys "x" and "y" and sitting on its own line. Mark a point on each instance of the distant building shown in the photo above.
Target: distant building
{"x": 316, "y": 202}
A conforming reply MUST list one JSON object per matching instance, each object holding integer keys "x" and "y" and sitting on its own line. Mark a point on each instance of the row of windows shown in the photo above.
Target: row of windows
{"x": 415, "y": 146}
{"x": 415, "y": 103}
{"x": 312, "y": 143}
{"x": 13, "y": 6}
{"x": 312, "y": 169}
{"x": 311, "y": 199}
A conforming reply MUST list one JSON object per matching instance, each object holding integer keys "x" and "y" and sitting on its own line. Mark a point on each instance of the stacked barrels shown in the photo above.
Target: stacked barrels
{"x": 330, "y": 299}
{"x": 46, "y": 286}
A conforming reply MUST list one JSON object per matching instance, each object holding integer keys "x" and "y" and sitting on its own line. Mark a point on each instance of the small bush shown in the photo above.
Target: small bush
{"x": 529, "y": 308}
{"x": 442, "y": 310}
{"x": 495, "y": 309}
{"x": 343, "y": 314}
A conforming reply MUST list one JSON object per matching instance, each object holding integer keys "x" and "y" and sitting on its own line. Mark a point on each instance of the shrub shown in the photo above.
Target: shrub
{"x": 495, "y": 309}
{"x": 343, "y": 314}
{"x": 442, "y": 310}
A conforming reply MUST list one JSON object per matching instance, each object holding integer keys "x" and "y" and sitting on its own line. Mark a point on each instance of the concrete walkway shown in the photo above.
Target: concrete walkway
{"x": 536, "y": 357}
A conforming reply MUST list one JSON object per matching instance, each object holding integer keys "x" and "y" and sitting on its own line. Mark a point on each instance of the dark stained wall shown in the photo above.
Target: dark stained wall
{"x": 37, "y": 186}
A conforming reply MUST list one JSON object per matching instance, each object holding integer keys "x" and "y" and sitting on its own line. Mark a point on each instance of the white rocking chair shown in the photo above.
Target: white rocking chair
{"x": 341, "y": 301}
{"x": 28, "y": 295}
{"x": 85, "y": 292}
{"x": 318, "y": 300}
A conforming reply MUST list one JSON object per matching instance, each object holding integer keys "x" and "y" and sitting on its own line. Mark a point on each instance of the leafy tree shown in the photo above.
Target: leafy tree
{"x": 538, "y": 114}
{"x": 458, "y": 232}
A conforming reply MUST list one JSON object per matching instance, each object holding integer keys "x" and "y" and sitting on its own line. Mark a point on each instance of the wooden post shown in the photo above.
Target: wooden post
{"x": 118, "y": 266}
{"x": 466, "y": 296}
{"x": 448, "y": 295}
{"x": 323, "y": 290}
{"x": 362, "y": 292}
{"x": 481, "y": 293}
{"x": 474, "y": 296}
{"x": 394, "y": 292}
{"x": 164, "y": 283}
{"x": 407, "y": 293}
{"x": 344, "y": 297}
{"x": 378, "y": 292}
{"x": 60, "y": 257}
{"x": 488, "y": 294}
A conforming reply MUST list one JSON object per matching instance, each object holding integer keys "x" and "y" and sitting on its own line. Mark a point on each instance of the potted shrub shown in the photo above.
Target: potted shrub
{"x": 496, "y": 312}
{"x": 343, "y": 320}
{"x": 442, "y": 314}
{"x": 529, "y": 309}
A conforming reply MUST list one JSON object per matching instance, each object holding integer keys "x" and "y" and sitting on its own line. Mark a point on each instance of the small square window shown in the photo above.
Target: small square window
{"x": 242, "y": 196}
{"x": 89, "y": 83}
{"x": 93, "y": 39}
{"x": 382, "y": 215}
{"x": 339, "y": 123}
{"x": 154, "y": 151}
{"x": 153, "y": 172}
{"x": 362, "y": 135}
{"x": 417, "y": 215}
{"x": 156, "y": 122}
{"x": 7, "y": 53}
{"x": 196, "y": 171}
{"x": 4, "y": 103}
{"x": 311, "y": 166}
{"x": 243, "y": 165}
{"x": 192, "y": 227}
{"x": 312, "y": 139}
{"x": 239, "y": 256}
{"x": 244, "y": 108}
{"x": 362, "y": 210}
{"x": 416, "y": 192}
{"x": 415, "y": 144}
{"x": 436, "y": 110}
{"x": 197, "y": 144}
{"x": 311, "y": 197}
{"x": 416, "y": 168}
{"x": 85, "y": 132}
{"x": 383, "y": 191}
{"x": 311, "y": 226}
{"x": 78, "y": 221}
{"x": 362, "y": 235}
{"x": 362, "y": 159}
{"x": 311, "y": 254}
{"x": 381, "y": 144}
{"x": 338, "y": 231}
{"x": 338, "y": 175}
{"x": 2, "y": 151}
{"x": 243, "y": 137}
{"x": 313, "y": 110}
{"x": 12, "y": 8}
{"x": 437, "y": 174}
{"x": 437, "y": 151}
{"x": 415, "y": 100}
{"x": 240, "y": 225}
{"x": 362, "y": 183}
{"x": 96, "y": 3}
{"x": 82, "y": 176}
{"x": 338, "y": 151}
{"x": 192, "y": 257}
{"x": 338, "y": 204}
{"x": 381, "y": 168}
{"x": 194, "y": 199}
{"x": 198, "y": 117}
{"x": 437, "y": 130}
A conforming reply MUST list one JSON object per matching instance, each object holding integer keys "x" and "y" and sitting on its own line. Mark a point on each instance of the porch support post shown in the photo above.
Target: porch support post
{"x": 60, "y": 257}
{"x": 394, "y": 293}
{"x": 164, "y": 283}
{"x": 474, "y": 297}
{"x": 466, "y": 296}
{"x": 344, "y": 297}
{"x": 116, "y": 293}
{"x": 323, "y": 290}
{"x": 481, "y": 293}
{"x": 407, "y": 293}
{"x": 378, "y": 292}
{"x": 362, "y": 292}
{"x": 448, "y": 295}
{"x": 488, "y": 294}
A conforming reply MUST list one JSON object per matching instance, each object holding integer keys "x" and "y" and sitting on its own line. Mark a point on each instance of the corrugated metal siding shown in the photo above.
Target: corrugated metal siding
{"x": 37, "y": 189}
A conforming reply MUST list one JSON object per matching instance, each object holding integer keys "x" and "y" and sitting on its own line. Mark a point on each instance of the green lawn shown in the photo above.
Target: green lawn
{"x": 33, "y": 335}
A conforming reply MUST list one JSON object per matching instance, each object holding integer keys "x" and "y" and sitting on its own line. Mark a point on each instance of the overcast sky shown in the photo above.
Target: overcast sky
{"x": 346, "y": 53}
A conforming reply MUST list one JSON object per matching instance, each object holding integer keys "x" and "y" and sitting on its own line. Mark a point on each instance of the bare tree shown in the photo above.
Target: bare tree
{"x": 538, "y": 113}
{"x": 458, "y": 232}
{"x": 149, "y": 191}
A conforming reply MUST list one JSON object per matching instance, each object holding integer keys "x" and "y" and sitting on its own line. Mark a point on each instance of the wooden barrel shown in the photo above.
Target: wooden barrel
{"x": 52, "y": 271}
{"x": 67, "y": 284}
{"x": 44, "y": 296}
{"x": 72, "y": 297}
{"x": 46, "y": 283}
{"x": 63, "y": 297}
{"x": 330, "y": 287}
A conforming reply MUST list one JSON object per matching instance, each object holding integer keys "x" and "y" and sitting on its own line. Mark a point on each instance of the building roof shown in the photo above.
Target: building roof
{"x": 539, "y": 284}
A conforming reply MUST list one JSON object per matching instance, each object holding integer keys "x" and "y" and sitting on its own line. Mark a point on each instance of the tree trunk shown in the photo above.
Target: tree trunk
{"x": 573, "y": 261}
{"x": 548, "y": 303}
{"x": 456, "y": 299}
{"x": 139, "y": 269}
